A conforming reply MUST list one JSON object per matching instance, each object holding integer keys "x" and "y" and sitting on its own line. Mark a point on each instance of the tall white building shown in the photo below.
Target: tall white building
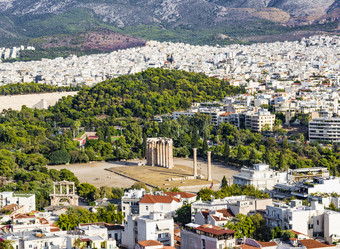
{"x": 324, "y": 129}
{"x": 313, "y": 221}
{"x": 149, "y": 227}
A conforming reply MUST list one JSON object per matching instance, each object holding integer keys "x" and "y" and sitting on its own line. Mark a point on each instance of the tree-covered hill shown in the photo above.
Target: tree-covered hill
{"x": 152, "y": 92}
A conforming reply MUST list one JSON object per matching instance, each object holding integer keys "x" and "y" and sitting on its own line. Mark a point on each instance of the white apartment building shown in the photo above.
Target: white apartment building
{"x": 150, "y": 227}
{"x": 159, "y": 203}
{"x": 88, "y": 236}
{"x": 130, "y": 200}
{"x": 260, "y": 176}
{"x": 311, "y": 220}
{"x": 235, "y": 204}
{"x": 324, "y": 129}
{"x": 27, "y": 201}
{"x": 258, "y": 120}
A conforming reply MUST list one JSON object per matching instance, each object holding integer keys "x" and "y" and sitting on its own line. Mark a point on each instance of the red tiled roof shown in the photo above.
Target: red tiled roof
{"x": 181, "y": 194}
{"x": 310, "y": 243}
{"x": 92, "y": 137}
{"x": 218, "y": 218}
{"x": 244, "y": 246}
{"x": 43, "y": 221}
{"x": 297, "y": 233}
{"x": 55, "y": 230}
{"x": 226, "y": 114}
{"x": 145, "y": 243}
{"x": 158, "y": 199}
{"x": 215, "y": 230}
{"x": 267, "y": 244}
{"x": 23, "y": 216}
{"x": 226, "y": 212}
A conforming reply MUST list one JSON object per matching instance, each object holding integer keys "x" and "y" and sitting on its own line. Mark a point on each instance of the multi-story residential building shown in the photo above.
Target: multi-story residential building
{"x": 27, "y": 201}
{"x": 232, "y": 118}
{"x": 258, "y": 120}
{"x": 320, "y": 187}
{"x": 149, "y": 227}
{"x": 86, "y": 236}
{"x": 165, "y": 204}
{"x": 214, "y": 218}
{"x": 313, "y": 221}
{"x": 324, "y": 129}
{"x": 207, "y": 237}
{"x": 260, "y": 176}
{"x": 236, "y": 204}
{"x": 130, "y": 200}
{"x": 299, "y": 175}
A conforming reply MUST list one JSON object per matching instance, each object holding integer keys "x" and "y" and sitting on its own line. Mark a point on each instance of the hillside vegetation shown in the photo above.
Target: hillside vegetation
{"x": 145, "y": 94}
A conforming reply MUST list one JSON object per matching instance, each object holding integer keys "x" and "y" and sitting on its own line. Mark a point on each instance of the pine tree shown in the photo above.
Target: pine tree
{"x": 144, "y": 145}
{"x": 281, "y": 161}
{"x": 224, "y": 182}
{"x": 194, "y": 137}
{"x": 205, "y": 144}
{"x": 239, "y": 153}
{"x": 226, "y": 152}
{"x": 62, "y": 144}
{"x": 252, "y": 156}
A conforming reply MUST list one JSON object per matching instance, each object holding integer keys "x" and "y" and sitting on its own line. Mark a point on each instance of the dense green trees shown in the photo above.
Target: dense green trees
{"x": 122, "y": 112}
{"x": 25, "y": 88}
{"x": 75, "y": 216}
{"x": 253, "y": 226}
{"x": 183, "y": 214}
{"x": 145, "y": 94}
{"x": 205, "y": 194}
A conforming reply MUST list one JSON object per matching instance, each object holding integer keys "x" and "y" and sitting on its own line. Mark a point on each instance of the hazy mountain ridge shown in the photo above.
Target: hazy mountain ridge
{"x": 191, "y": 21}
{"x": 183, "y": 12}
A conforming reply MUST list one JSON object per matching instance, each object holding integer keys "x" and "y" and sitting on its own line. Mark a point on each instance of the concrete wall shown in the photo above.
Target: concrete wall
{"x": 39, "y": 101}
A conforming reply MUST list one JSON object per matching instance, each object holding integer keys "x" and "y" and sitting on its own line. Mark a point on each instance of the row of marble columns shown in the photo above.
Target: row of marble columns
{"x": 209, "y": 176}
{"x": 61, "y": 184}
{"x": 159, "y": 153}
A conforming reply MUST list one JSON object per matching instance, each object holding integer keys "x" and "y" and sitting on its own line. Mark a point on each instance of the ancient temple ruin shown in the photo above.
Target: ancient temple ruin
{"x": 159, "y": 152}
{"x": 64, "y": 194}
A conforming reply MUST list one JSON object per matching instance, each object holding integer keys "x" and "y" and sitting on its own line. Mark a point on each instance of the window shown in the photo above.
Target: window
{"x": 203, "y": 244}
{"x": 30, "y": 246}
{"x": 147, "y": 207}
{"x": 317, "y": 222}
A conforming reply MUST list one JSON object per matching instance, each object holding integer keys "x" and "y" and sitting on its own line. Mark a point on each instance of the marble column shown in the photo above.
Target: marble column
{"x": 159, "y": 154}
{"x": 195, "y": 161}
{"x": 60, "y": 189}
{"x": 67, "y": 189}
{"x": 166, "y": 155}
{"x": 54, "y": 188}
{"x": 209, "y": 178}
{"x": 152, "y": 155}
{"x": 171, "y": 156}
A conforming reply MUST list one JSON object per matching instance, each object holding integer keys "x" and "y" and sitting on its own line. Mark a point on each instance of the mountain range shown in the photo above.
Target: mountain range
{"x": 193, "y": 21}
